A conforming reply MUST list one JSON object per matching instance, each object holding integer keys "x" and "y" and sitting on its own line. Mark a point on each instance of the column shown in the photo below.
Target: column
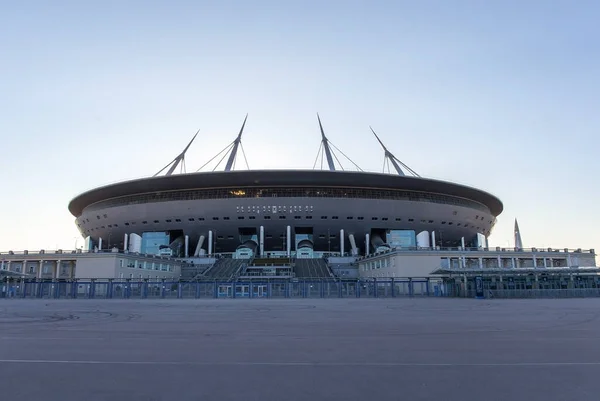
{"x": 57, "y": 275}
{"x": 210, "y": 242}
{"x": 289, "y": 241}
{"x": 545, "y": 262}
{"x": 261, "y": 241}
{"x": 41, "y": 269}
{"x": 186, "y": 246}
{"x": 481, "y": 263}
{"x": 569, "y": 260}
{"x": 125, "y": 242}
{"x": 499, "y": 262}
{"x": 99, "y": 244}
{"x": 73, "y": 266}
{"x": 534, "y": 261}
{"x": 551, "y": 262}
{"x": 367, "y": 244}
{"x": 433, "y": 239}
{"x": 342, "y": 241}
{"x": 462, "y": 242}
{"x": 512, "y": 261}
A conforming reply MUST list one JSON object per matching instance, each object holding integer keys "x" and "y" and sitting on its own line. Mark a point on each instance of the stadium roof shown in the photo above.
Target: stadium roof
{"x": 282, "y": 178}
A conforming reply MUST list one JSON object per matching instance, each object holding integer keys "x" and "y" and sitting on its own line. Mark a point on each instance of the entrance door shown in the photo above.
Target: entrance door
{"x": 225, "y": 291}
{"x": 242, "y": 291}
{"x": 259, "y": 291}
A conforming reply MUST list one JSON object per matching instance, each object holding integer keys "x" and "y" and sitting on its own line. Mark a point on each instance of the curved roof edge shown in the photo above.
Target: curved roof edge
{"x": 252, "y": 178}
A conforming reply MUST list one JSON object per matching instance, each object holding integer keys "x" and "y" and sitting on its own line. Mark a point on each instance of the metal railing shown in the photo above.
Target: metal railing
{"x": 246, "y": 288}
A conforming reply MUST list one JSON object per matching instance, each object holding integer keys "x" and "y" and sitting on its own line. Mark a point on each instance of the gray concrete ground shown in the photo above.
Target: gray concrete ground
{"x": 272, "y": 350}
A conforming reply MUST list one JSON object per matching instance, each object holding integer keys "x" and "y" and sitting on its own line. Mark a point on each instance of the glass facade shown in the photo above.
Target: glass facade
{"x": 401, "y": 238}
{"x": 294, "y": 192}
{"x": 152, "y": 242}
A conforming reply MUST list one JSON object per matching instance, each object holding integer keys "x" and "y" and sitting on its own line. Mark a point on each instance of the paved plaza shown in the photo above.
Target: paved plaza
{"x": 300, "y": 349}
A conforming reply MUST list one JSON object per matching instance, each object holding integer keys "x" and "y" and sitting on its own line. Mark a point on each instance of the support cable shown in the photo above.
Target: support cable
{"x": 222, "y": 158}
{"x": 351, "y": 161}
{"x": 228, "y": 147}
{"x": 244, "y": 153}
{"x": 317, "y": 158}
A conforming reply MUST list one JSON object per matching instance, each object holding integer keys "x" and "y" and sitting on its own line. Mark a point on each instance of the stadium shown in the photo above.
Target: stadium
{"x": 292, "y": 213}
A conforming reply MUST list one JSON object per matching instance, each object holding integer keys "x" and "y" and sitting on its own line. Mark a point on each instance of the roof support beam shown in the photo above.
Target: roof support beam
{"x": 236, "y": 143}
{"x": 325, "y": 143}
{"x": 180, "y": 158}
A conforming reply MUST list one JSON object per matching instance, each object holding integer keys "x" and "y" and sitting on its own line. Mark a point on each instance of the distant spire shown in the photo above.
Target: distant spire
{"x": 518, "y": 240}
{"x": 236, "y": 143}
{"x": 325, "y": 144}
{"x": 180, "y": 158}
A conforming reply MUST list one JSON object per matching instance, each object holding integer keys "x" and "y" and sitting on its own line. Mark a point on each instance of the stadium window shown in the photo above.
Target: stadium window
{"x": 450, "y": 223}
{"x": 281, "y": 217}
{"x": 133, "y": 223}
{"x": 422, "y": 221}
{"x": 430, "y": 221}
{"x": 178, "y": 220}
{"x": 200, "y": 218}
{"x": 144, "y": 222}
{"x": 267, "y": 217}
{"x": 443, "y": 222}
{"x": 349, "y": 218}
{"x": 360, "y": 218}
{"x": 105, "y": 216}
{"x": 335, "y": 217}
{"x": 116, "y": 225}
{"x": 191, "y": 219}
{"x": 220, "y": 237}
{"x": 240, "y": 217}
{"x": 252, "y": 217}
{"x": 225, "y": 218}
{"x": 230, "y": 237}
{"x": 215, "y": 218}
{"x": 322, "y": 236}
{"x": 323, "y": 217}
{"x": 110, "y": 226}
{"x": 384, "y": 218}
{"x": 331, "y": 235}
{"x": 411, "y": 220}
{"x": 155, "y": 221}
{"x": 98, "y": 217}
{"x": 309, "y": 217}
{"x": 103, "y": 227}
{"x": 297, "y": 217}
{"x": 398, "y": 219}
{"x": 458, "y": 225}
{"x": 373, "y": 218}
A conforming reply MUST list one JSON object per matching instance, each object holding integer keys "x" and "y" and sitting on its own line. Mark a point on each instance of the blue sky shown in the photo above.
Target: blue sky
{"x": 503, "y": 96}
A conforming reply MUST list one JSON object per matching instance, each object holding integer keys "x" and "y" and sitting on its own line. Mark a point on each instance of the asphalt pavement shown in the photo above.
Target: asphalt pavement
{"x": 300, "y": 349}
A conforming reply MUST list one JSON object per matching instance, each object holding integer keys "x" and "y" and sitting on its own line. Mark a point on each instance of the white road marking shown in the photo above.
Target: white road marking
{"x": 310, "y": 364}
